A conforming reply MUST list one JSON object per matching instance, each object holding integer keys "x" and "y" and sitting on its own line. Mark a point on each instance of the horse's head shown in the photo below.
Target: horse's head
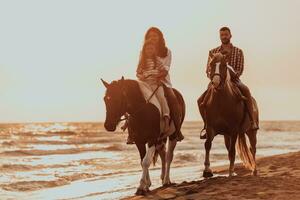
{"x": 115, "y": 102}
{"x": 218, "y": 74}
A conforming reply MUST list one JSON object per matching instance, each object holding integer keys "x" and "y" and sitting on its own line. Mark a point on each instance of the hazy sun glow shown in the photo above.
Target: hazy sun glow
{"x": 53, "y": 53}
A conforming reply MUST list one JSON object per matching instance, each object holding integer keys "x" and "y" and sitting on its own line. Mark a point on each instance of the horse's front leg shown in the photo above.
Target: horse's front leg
{"x": 145, "y": 180}
{"x": 146, "y": 162}
{"x": 232, "y": 153}
{"x": 207, "y": 171}
{"x": 148, "y": 181}
{"x": 169, "y": 159}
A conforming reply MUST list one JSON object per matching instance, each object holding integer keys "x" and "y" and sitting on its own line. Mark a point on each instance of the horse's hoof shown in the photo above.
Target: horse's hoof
{"x": 232, "y": 174}
{"x": 167, "y": 184}
{"x": 140, "y": 192}
{"x": 207, "y": 174}
{"x": 254, "y": 173}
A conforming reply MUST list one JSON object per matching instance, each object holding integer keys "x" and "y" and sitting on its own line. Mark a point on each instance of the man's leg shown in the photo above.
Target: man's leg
{"x": 246, "y": 92}
{"x": 201, "y": 106}
{"x": 175, "y": 112}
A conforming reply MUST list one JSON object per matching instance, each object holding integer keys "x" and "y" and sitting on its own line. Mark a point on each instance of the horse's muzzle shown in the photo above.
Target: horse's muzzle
{"x": 216, "y": 81}
{"x": 110, "y": 127}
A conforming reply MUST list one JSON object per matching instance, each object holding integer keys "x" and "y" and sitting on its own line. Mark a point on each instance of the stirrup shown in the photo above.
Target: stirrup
{"x": 130, "y": 141}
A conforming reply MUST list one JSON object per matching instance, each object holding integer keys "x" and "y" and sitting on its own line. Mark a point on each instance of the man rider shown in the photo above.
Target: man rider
{"x": 235, "y": 59}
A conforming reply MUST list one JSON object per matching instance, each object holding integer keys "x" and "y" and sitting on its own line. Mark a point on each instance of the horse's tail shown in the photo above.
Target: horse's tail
{"x": 244, "y": 152}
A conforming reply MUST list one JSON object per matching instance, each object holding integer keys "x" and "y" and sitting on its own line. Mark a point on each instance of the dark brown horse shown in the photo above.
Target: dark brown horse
{"x": 226, "y": 115}
{"x": 124, "y": 96}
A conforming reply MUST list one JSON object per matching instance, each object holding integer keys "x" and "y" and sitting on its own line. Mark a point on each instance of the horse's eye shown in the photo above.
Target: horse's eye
{"x": 107, "y": 98}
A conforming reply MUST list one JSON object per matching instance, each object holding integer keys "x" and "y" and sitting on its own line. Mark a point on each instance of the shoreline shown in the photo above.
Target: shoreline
{"x": 278, "y": 178}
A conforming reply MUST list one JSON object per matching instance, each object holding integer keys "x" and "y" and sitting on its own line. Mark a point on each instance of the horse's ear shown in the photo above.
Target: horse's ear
{"x": 122, "y": 79}
{"x": 105, "y": 83}
{"x": 122, "y": 85}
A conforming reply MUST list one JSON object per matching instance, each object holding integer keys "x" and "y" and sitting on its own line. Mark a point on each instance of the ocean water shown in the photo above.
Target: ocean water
{"x": 83, "y": 161}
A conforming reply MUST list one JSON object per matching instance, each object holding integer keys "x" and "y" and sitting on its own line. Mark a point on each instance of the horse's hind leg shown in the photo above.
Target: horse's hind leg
{"x": 207, "y": 171}
{"x": 145, "y": 163}
{"x": 232, "y": 153}
{"x": 253, "y": 141}
{"x": 162, "y": 154}
{"x": 169, "y": 158}
{"x": 227, "y": 144}
{"x": 227, "y": 140}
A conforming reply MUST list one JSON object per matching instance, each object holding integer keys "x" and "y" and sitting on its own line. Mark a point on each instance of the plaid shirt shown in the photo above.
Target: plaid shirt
{"x": 235, "y": 59}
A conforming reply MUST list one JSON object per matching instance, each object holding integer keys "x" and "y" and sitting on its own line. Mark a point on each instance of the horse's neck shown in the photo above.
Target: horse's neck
{"x": 227, "y": 89}
{"x": 226, "y": 94}
{"x": 135, "y": 97}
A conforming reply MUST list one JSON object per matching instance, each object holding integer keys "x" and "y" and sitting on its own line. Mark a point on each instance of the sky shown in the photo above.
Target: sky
{"x": 53, "y": 53}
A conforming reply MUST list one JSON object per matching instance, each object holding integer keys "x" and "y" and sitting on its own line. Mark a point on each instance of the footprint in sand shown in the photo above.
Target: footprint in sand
{"x": 273, "y": 168}
{"x": 285, "y": 174}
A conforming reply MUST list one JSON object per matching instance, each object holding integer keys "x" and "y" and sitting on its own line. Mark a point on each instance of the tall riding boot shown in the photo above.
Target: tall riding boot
{"x": 176, "y": 113}
{"x": 249, "y": 104}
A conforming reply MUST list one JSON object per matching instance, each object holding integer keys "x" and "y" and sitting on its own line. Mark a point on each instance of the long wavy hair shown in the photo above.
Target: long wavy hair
{"x": 162, "y": 50}
{"x": 143, "y": 58}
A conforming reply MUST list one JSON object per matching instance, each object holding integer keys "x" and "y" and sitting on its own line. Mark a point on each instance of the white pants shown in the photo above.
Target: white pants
{"x": 160, "y": 94}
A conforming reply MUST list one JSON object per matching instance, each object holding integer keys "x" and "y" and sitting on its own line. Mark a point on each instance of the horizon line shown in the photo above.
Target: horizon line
{"x": 93, "y": 122}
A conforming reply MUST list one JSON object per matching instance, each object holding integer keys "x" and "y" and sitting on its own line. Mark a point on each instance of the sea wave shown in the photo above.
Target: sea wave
{"x": 20, "y": 167}
{"x": 49, "y": 152}
{"x": 37, "y": 185}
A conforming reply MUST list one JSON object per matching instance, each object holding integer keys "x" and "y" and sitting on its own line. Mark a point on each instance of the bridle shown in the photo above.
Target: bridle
{"x": 217, "y": 73}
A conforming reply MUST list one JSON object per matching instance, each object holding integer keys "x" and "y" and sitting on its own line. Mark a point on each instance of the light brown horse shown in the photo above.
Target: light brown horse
{"x": 226, "y": 114}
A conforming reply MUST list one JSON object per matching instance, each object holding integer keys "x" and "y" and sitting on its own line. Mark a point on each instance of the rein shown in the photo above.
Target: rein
{"x": 147, "y": 101}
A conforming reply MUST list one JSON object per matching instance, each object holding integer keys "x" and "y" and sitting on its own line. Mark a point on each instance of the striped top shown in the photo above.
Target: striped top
{"x": 235, "y": 58}
{"x": 162, "y": 63}
{"x": 146, "y": 73}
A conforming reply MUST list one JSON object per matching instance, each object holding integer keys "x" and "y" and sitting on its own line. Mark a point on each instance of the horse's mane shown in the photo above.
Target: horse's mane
{"x": 228, "y": 82}
{"x": 133, "y": 90}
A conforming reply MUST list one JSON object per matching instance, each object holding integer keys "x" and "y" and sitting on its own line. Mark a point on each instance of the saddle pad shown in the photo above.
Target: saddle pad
{"x": 147, "y": 92}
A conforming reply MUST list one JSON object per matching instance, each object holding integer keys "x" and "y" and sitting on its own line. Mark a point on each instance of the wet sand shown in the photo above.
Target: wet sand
{"x": 279, "y": 178}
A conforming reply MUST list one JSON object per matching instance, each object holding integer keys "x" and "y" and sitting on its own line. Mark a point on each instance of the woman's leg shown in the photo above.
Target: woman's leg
{"x": 175, "y": 112}
{"x": 163, "y": 101}
{"x": 164, "y": 106}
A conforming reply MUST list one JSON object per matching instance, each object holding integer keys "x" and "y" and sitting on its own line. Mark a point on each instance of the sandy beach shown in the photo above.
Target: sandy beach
{"x": 279, "y": 178}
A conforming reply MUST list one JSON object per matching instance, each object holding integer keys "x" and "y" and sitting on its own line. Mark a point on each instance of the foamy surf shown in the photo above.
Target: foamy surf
{"x": 83, "y": 161}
